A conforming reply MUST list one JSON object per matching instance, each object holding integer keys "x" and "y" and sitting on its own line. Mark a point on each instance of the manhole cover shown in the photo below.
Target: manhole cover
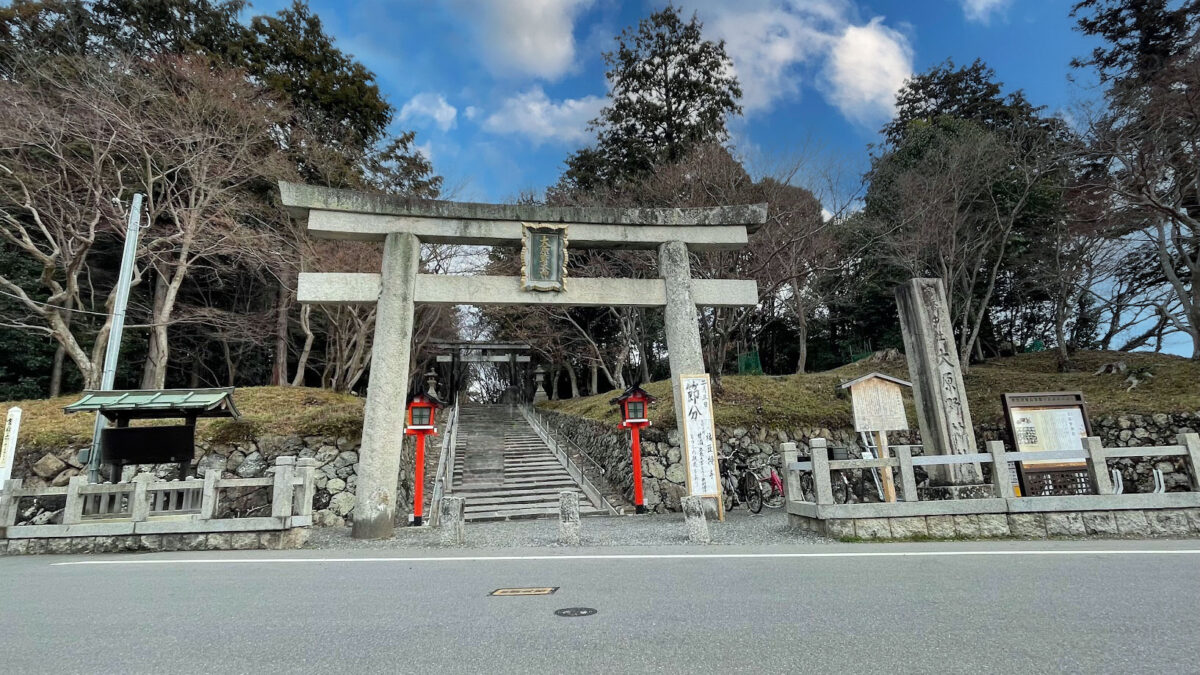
{"x": 575, "y": 611}
{"x": 549, "y": 590}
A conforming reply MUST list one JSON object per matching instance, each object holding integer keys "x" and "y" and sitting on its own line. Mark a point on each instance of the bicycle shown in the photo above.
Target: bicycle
{"x": 739, "y": 485}
{"x": 841, "y": 482}
{"x": 771, "y": 487}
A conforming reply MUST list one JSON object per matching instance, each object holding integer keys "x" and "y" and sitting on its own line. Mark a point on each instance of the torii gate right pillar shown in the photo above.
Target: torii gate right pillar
{"x": 679, "y": 317}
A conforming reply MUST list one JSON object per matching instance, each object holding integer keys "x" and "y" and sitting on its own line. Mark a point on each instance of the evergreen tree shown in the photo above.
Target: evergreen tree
{"x": 669, "y": 90}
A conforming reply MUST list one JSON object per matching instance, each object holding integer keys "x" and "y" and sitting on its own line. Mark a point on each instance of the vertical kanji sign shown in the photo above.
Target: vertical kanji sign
{"x": 699, "y": 438}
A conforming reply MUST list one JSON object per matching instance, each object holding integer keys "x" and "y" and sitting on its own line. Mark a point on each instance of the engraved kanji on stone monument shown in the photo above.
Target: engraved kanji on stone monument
{"x": 544, "y": 258}
{"x": 938, "y": 389}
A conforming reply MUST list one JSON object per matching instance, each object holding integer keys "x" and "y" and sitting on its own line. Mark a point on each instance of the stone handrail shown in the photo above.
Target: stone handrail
{"x": 1093, "y": 452}
{"x": 551, "y": 439}
{"x": 148, "y": 506}
{"x": 443, "y": 481}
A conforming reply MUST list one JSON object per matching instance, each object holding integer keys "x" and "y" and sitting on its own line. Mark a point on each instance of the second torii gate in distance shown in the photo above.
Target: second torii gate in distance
{"x": 479, "y": 351}
{"x": 543, "y": 231}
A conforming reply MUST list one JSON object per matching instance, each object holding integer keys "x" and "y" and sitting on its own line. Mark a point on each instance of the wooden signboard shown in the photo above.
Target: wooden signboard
{"x": 1049, "y": 422}
{"x": 699, "y": 437}
{"x": 8, "y": 450}
{"x": 878, "y": 402}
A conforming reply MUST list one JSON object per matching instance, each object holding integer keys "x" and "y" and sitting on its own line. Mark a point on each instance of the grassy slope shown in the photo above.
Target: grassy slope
{"x": 265, "y": 410}
{"x": 812, "y": 400}
{"x": 809, "y": 400}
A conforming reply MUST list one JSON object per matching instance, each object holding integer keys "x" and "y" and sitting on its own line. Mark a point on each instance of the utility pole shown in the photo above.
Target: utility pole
{"x": 113, "y": 349}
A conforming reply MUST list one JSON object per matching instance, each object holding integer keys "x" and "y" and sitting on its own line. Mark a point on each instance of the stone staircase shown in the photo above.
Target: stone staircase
{"x": 504, "y": 470}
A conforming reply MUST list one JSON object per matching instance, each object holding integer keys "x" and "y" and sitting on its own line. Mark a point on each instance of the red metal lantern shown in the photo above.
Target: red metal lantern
{"x": 422, "y": 413}
{"x": 634, "y": 404}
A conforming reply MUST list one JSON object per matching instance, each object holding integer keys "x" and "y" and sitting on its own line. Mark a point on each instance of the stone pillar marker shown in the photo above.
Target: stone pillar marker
{"x": 679, "y": 318}
{"x": 941, "y": 396}
{"x": 693, "y": 516}
{"x": 453, "y": 521}
{"x": 568, "y": 518}
{"x": 383, "y": 418}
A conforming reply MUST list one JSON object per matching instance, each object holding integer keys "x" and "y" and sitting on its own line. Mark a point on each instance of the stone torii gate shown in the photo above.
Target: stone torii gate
{"x": 403, "y": 224}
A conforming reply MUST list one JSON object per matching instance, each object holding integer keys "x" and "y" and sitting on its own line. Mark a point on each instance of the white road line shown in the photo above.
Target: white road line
{"x": 630, "y": 556}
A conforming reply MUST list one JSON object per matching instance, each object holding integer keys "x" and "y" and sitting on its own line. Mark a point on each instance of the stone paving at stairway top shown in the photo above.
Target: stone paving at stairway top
{"x": 740, "y": 528}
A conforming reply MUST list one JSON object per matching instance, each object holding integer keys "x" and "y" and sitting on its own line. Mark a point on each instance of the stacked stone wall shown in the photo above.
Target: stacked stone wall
{"x": 336, "y": 477}
{"x": 665, "y": 481}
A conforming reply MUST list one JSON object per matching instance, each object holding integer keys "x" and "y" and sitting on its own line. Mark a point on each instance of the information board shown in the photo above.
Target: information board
{"x": 1049, "y": 422}
{"x": 699, "y": 437}
{"x": 1048, "y": 430}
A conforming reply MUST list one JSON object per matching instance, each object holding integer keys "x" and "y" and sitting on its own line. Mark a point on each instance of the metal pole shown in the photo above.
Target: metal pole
{"x": 113, "y": 349}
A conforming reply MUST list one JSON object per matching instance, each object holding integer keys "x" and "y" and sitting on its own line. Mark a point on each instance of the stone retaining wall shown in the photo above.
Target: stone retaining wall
{"x": 336, "y": 479}
{"x": 279, "y": 539}
{"x": 1136, "y": 523}
{"x": 664, "y": 479}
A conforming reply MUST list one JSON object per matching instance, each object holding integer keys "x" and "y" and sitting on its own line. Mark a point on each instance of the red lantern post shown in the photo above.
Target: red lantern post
{"x": 421, "y": 410}
{"x": 633, "y": 405}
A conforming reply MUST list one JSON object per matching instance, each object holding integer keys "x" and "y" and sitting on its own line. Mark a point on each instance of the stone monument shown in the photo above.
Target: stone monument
{"x": 941, "y": 396}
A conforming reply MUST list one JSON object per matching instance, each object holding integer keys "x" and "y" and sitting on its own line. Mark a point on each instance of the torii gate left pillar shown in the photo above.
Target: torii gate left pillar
{"x": 387, "y": 388}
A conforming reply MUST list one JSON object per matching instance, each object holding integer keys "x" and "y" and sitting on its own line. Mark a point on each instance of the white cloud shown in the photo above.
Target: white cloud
{"x": 867, "y": 66}
{"x": 778, "y": 46}
{"x": 432, "y": 106}
{"x": 534, "y": 115}
{"x": 981, "y": 11}
{"x": 525, "y": 37}
{"x": 426, "y": 149}
{"x": 470, "y": 112}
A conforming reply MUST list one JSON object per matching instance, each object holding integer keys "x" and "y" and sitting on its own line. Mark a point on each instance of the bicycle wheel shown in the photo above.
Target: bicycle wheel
{"x": 841, "y": 491}
{"x": 727, "y": 497}
{"x": 807, "y": 492}
{"x": 754, "y": 498}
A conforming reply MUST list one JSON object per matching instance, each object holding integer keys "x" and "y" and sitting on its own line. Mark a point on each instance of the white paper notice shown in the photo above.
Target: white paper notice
{"x": 8, "y": 449}
{"x": 1048, "y": 430}
{"x": 699, "y": 440}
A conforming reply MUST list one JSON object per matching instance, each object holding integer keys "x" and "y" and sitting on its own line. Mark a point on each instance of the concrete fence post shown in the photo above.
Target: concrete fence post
{"x": 208, "y": 494}
{"x": 453, "y": 519}
{"x": 791, "y": 478}
{"x": 1191, "y": 442}
{"x": 282, "y": 489}
{"x": 819, "y": 451}
{"x": 73, "y": 512}
{"x": 908, "y": 479}
{"x": 693, "y": 516}
{"x": 139, "y": 501}
{"x": 1097, "y": 466}
{"x": 8, "y": 503}
{"x": 568, "y": 518}
{"x": 1000, "y": 479}
{"x": 302, "y": 499}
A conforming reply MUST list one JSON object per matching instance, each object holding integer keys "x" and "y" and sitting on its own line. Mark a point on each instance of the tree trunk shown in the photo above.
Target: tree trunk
{"x": 56, "y": 372}
{"x": 574, "y": 380}
{"x": 302, "y": 362}
{"x": 595, "y": 383}
{"x": 154, "y": 371}
{"x": 279, "y": 368}
{"x": 801, "y": 313}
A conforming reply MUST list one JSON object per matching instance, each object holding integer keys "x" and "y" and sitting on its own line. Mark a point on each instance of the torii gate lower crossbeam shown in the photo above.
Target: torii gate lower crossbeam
{"x": 400, "y": 287}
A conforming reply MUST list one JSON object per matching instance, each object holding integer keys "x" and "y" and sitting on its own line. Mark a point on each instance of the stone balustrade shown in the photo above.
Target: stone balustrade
{"x": 149, "y": 514}
{"x": 1001, "y": 514}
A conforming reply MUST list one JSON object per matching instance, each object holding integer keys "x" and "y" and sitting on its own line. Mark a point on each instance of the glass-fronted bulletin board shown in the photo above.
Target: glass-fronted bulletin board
{"x": 1049, "y": 422}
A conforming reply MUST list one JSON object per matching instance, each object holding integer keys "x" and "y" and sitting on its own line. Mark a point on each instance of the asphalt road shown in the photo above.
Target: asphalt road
{"x": 1134, "y": 607}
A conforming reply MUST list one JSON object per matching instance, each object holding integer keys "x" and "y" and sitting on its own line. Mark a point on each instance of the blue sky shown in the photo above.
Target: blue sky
{"x": 500, "y": 91}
